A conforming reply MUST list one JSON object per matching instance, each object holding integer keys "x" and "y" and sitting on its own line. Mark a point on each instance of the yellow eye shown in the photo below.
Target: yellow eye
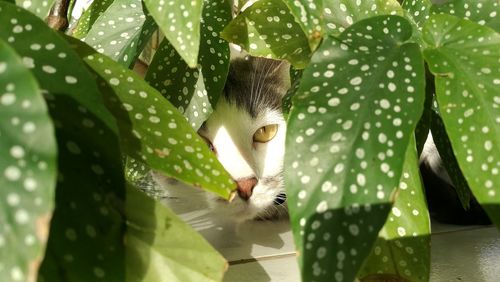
{"x": 265, "y": 133}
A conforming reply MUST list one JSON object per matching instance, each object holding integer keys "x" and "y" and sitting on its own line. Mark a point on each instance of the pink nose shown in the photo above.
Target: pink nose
{"x": 245, "y": 187}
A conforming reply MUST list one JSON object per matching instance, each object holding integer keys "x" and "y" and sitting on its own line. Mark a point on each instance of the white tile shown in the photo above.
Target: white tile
{"x": 472, "y": 255}
{"x": 282, "y": 269}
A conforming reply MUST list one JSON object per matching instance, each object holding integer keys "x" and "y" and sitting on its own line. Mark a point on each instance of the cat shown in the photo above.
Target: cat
{"x": 247, "y": 133}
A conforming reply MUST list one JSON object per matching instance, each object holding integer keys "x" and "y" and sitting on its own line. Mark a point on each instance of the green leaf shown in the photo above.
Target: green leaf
{"x": 309, "y": 15}
{"x": 121, "y": 31}
{"x": 418, "y": 11}
{"x": 40, "y": 8}
{"x": 194, "y": 91}
{"x": 89, "y": 17}
{"x": 86, "y": 231}
{"x": 402, "y": 250}
{"x": 179, "y": 20}
{"x": 27, "y": 168}
{"x": 450, "y": 163}
{"x": 463, "y": 56}
{"x": 484, "y": 12}
{"x": 161, "y": 247}
{"x": 340, "y": 14}
{"x": 152, "y": 130}
{"x": 369, "y": 86}
{"x": 267, "y": 29}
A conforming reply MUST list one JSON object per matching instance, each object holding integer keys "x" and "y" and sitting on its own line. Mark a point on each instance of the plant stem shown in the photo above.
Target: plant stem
{"x": 57, "y": 18}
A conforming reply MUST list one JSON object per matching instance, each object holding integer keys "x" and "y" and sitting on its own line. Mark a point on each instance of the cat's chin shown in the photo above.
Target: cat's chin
{"x": 240, "y": 211}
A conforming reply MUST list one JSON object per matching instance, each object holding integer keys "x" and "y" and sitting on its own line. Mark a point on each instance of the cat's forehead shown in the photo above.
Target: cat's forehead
{"x": 256, "y": 84}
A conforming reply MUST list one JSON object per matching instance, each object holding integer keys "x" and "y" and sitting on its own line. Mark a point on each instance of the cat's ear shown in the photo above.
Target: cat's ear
{"x": 236, "y": 52}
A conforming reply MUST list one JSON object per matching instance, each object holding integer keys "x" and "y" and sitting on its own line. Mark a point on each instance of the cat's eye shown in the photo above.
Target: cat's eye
{"x": 209, "y": 144}
{"x": 265, "y": 133}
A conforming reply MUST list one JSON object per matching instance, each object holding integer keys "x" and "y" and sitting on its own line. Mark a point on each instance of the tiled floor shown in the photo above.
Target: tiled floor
{"x": 260, "y": 251}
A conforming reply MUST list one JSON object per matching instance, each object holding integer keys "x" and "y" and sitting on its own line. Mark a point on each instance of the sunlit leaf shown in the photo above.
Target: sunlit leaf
{"x": 267, "y": 29}
{"x": 195, "y": 91}
{"x": 90, "y": 176}
{"x": 89, "y": 16}
{"x": 179, "y": 20}
{"x": 463, "y": 56}
{"x": 402, "y": 250}
{"x": 152, "y": 130}
{"x": 350, "y": 123}
{"x": 121, "y": 31}
{"x": 309, "y": 14}
{"x": 27, "y": 170}
{"x": 340, "y": 14}
{"x": 484, "y": 12}
{"x": 161, "y": 247}
{"x": 38, "y": 7}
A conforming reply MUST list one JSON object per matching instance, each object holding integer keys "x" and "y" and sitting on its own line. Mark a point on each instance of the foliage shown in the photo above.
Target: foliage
{"x": 359, "y": 88}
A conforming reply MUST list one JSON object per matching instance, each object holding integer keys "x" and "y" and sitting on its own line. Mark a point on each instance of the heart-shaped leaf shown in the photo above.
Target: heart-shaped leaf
{"x": 402, "y": 250}
{"x": 152, "y": 130}
{"x": 369, "y": 86}
{"x": 121, "y": 31}
{"x": 161, "y": 247}
{"x": 267, "y": 29}
{"x": 40, "y": 8}
{"x": 463, "y": 56}
{"x": 89, "y": 16}
{"x": 195, "y": 91}
{"x": 484, "y": 12}
{"x": 179, "y": 20}
{"x": 90, "y": 176}
{"x": 27, "y": 169}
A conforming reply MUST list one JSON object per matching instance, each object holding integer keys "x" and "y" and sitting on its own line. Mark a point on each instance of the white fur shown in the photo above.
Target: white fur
{"x": 431, "y": 157}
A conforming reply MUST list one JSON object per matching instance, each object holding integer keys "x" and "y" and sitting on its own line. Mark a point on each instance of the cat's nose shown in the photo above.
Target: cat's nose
{"x": 245, "y": 187}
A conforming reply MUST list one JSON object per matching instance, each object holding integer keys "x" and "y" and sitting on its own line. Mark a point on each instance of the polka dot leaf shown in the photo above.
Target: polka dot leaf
{"x": 89, "y": 16}
{"x": 402, "y": 249}
{"x": 484, "y": 12}
{"x": 194, "y": 91}
{"x": 340, "y": 14}
{"x": 164, "y": 248}
{"x": 38, "y": 7}
{"x": 121, "y": 31}
{"x": 369, "y": 85}
{"x": 309, "y": 15}
{"x": 27, "y": 169}
{"x": 463, "y": 56}
{"x": 179, "y": 20}
{"x": 152, "y": 130}
{"x": 86, "y": 230}
{"x": 267, "y": 29}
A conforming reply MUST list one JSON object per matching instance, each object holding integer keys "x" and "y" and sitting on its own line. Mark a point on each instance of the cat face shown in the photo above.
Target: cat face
{"x": 247, "y": 132}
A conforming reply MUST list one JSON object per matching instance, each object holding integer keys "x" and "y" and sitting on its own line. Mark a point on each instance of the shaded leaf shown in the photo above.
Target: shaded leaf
{"x": 450, "y": 163}
{"x": 27, "y": 169}
{"x": 343, "y": 171}
{"x": 90, "y": 176}
{"x": 40, "y": 8}
{"x": 89, "y": 17}
{"x": 463, "y": 56}
{"x": 179, "y": 20}
{"x": 161, "y": 247}
{"x": 194, "y": 91}
{"x": 152, "y": 130}
{"x": 340, "y": 14}
{"x": 402, "y": 249}
{"x": 121, "y": 31}
{"x": 267, "y": 29}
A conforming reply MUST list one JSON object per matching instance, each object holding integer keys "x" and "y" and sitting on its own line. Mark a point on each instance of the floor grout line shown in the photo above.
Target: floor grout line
{"x": 262, "y": 258}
